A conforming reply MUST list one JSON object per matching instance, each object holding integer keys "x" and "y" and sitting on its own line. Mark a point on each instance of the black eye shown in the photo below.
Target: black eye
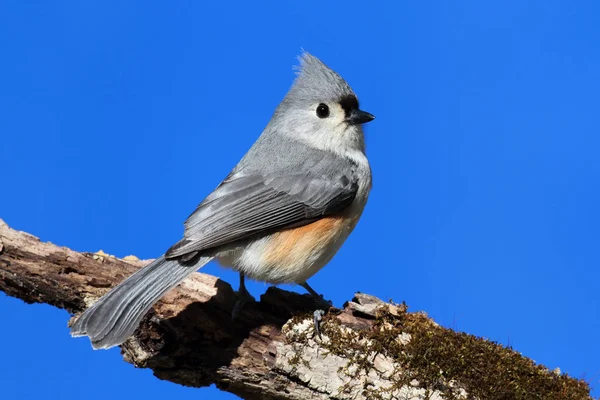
{"x": 322, "y": 111}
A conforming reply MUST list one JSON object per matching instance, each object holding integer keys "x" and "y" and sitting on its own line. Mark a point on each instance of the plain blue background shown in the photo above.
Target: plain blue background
{"x": 117, "y": 118}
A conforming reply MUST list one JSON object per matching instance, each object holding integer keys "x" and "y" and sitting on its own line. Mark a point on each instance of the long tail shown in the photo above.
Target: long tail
{"x": 113, "y": 318}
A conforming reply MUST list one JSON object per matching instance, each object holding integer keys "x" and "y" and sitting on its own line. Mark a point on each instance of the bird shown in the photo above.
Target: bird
{"x": 279, "y": 216}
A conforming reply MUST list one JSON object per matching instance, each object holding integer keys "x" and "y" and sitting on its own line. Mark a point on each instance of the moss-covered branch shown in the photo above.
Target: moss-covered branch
{"x": 369, "y": 350}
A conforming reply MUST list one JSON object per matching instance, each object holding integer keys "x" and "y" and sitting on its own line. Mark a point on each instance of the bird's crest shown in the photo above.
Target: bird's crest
{"x": 316, "y": 81}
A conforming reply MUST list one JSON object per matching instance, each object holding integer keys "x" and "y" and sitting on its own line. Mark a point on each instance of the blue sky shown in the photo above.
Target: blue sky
{"x": 119, "y": 117}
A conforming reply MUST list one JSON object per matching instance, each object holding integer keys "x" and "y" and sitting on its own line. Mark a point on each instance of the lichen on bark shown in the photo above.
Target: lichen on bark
{"x": 369, "y": 349}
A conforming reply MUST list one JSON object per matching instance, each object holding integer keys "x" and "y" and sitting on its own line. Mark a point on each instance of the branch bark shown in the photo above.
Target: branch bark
{"x": 369, "y": 350}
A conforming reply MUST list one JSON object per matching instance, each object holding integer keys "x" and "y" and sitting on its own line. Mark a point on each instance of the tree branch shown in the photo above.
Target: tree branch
{"x": 369, "y": 350}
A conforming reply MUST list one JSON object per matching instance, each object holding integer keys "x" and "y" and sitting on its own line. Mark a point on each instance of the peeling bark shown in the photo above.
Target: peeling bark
{"x": 270, "y": 352}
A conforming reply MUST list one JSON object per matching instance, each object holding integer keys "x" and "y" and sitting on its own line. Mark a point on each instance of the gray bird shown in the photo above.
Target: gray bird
{"x": 279, "y": 216}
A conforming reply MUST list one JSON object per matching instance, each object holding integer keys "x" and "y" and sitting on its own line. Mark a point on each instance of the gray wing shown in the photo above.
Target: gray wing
{"x": 248, "y": 204}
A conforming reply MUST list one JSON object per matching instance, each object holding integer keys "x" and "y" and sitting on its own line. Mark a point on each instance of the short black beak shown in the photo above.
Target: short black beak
{"x": 360, "y": 117}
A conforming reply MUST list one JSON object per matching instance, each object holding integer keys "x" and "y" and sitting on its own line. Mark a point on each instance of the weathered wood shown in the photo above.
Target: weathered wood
{"x": 370, "y": 349}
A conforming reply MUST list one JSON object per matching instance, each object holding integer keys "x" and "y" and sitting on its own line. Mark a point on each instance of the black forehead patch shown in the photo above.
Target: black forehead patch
{"x": 349, "y": 103}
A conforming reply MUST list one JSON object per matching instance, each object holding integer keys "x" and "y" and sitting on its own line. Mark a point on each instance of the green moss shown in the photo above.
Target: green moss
{"x": 443, "y": 360}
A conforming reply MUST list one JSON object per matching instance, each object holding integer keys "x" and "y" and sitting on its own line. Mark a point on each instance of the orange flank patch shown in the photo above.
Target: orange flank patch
{"x": 292, "y": 247}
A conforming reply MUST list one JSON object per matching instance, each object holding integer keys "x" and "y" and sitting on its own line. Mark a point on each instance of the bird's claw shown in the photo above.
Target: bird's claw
{"x": 324, "y": 306}
{"x": 243, "y": 298}
{"x": 317, "y": 318}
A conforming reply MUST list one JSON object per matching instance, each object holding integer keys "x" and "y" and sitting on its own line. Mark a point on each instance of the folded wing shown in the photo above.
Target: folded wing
{"x": 249, "y": 204}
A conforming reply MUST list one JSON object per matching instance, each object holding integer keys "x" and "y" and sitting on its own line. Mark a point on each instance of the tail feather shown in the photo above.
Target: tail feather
{"x": 113, "y": 318}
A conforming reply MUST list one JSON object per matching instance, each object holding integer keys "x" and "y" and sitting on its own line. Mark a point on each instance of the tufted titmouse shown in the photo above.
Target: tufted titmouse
{"x": 279, "y": 216}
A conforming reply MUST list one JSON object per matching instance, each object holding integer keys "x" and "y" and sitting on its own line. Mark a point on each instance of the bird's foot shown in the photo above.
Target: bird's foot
{"x": 243, "y": 297}
{"x": 317, "y": 318}
{"x": 322, "y": 307}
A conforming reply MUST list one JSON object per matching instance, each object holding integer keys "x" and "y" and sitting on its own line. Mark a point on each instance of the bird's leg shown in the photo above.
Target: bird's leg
{"x": 243, "y": 297}
{"x": 323, "y": 305}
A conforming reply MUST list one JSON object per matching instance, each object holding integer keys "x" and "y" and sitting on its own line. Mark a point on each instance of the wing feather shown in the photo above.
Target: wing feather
{"x": 248, "y": 203}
